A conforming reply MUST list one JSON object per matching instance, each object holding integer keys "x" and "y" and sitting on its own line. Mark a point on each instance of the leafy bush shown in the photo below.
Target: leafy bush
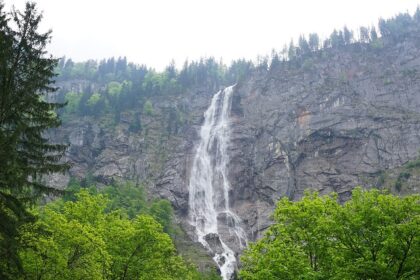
{"x": 148, "y": 108}
{"x": 82, "y": 240}
{"x": 372, "y": 236}
{"x": 413, "y": 164}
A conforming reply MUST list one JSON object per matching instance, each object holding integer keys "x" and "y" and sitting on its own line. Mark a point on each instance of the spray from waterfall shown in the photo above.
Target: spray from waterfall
{"x": 209, "y": 187}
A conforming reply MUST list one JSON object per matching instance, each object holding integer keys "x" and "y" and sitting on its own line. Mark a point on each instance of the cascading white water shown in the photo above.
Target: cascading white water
{"x": 209, "y": 186}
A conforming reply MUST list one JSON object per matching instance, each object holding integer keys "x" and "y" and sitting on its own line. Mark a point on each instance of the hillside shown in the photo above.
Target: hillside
{"x": 326, "y": 119}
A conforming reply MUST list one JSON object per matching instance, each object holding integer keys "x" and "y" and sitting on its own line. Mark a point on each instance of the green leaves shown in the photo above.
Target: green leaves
{"x": 379, "y": 235}
{"x": 26, "y": 77}
{"x": 148, "y": 108}
{"x": 80, "y": 240}
{"x": 372, "y": 236}
{"x": 73, "y": 100}
{"x": 162, "y": 211}
{"x": 63, "y": 244}
{"x": 114, "y": 88}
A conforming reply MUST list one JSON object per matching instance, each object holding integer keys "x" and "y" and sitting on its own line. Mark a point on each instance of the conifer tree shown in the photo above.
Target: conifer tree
{"x": 26, "y": 73}
{"x": 364, "y": 35}
{"x": 313, "y": 41}
{"x": 303, "y": 45}
{"x": 348, "y": 35}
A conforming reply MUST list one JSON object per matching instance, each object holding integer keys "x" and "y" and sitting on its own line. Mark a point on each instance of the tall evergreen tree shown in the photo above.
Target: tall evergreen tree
{"x": 373, "y": 34}
{"x": 26, "y": 73}
{"x": 275, "y": 61}
{"x": 292, "y": 51}
{"x": 348, "y": 35}
{"x": 364, "y": 35}
{"x": 303, "y": 45}
{"x": 313, "y": 41}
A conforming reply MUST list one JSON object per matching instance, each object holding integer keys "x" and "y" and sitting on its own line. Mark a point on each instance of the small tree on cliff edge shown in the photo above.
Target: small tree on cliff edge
{"x": 26, "y": 72}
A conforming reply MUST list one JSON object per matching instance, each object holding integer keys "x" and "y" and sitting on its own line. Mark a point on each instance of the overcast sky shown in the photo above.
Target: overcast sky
{"x": 154, "y": 32}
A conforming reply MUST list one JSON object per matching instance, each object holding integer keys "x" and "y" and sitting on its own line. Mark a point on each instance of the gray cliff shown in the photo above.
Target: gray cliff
{"x": 334, "y": 120}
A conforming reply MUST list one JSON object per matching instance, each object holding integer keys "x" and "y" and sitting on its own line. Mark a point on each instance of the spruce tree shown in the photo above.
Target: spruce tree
{"x": 313, "y": 41}
{"x": 26, "y": 78}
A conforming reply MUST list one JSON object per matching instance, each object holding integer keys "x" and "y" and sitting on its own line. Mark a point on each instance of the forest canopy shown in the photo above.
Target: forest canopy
{"x": 372, "y": 236}
{"x": 92, "y": 236}
{"x": 114, "y": 85}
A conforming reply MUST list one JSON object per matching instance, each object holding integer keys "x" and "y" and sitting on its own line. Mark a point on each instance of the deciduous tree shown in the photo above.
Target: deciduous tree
{"x": 372, "y": 236}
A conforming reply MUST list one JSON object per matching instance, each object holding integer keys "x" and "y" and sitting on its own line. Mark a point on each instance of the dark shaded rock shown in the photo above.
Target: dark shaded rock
{"x": 214, "y": 243}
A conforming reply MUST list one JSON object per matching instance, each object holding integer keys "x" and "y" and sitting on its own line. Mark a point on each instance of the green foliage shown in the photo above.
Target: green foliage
{"x": 377, "y": 44}
{"x": 303, "y": 46}
{"x": 398, "y": 179}
{"x": 397, "y": 27}
{"x": 413, "y": 164}
{"x": 348, "y": 35}
{"x": 313, "y": 41}
{"x": 26, "y": 155}
{"x": 81, "y": 240}
{"x": 364, "y": 34}
{"x": 97, "y": 104}
{"x": 94, "y": 99}
{"x": 114, "y": 88}
{"x": 372, "y": 236}
{"x": 308, "y": 64}
{"x": 402, "y": 177}
{"x": 127, "y": 198}
{"x": 129, "y": 201}
{"x": 135, "y": 125}
{"x": 125, "y": 86}
{"x": 207, "y": 275}
{"x": 162, "y": 211}
{"x": 381, "y": 179}
{"x": 73, "y": 100}
{"x": 148, "y": 108}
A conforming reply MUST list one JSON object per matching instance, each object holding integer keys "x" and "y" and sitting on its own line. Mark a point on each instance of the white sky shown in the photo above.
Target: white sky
{"x": 154, "y": 32}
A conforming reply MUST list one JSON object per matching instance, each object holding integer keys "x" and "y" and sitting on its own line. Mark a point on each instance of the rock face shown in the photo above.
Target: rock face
{"x": 328, "y": 123}
{"x": 214, "y": 242}
{"x": 330, "y": 126}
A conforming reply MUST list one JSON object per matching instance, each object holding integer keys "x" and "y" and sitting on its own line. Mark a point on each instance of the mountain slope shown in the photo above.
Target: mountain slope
{"x": 327, "y": 120}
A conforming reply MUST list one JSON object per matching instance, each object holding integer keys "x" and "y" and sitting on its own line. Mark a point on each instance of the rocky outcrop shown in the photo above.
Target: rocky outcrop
{"x": 214, "y": 242}
{"x": 327, "y": 127}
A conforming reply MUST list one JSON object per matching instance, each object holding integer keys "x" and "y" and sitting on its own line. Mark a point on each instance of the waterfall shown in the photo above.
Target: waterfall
{"x": 209, "y": 188}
